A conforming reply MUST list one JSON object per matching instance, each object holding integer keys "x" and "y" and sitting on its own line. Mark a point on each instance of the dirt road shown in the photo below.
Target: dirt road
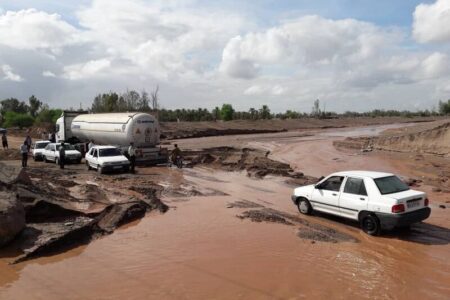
{"x": 207, "y": 246}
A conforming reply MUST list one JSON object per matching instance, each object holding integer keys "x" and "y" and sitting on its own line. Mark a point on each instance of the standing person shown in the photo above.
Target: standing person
{"x": 24, "y": 152}
{"x": 4, "y": 141}
{"x": 28, "y": 142}
{"x": 176, "y": 154}
{"x": 62, "y": 155}
{"x": 44, "y": 135}
{"x": 90, "y": 145}
{"x": 132, "y": 155}
{"x": 53, "y": 138}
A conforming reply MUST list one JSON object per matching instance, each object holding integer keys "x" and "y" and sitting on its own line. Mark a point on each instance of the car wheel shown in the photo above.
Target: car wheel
{"x": 371, "y": 225}
{"x": 88, "y": 166}
{"x": 304, "y": 206}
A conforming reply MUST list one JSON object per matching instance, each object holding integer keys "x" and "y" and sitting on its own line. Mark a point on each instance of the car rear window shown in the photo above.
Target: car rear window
{"x": 390, "y": 185}
{"x": 110, "y": 152}
{"x": 41, "y": 145}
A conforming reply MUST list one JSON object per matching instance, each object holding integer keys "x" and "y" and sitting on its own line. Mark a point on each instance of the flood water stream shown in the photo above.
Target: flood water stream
{"x": 199, "y": 249}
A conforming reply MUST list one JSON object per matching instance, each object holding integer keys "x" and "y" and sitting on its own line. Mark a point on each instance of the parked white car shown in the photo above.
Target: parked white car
{"x": 106, "y": 158}
{"x": 51, "y": 153}
{"x": 38, "y": 149}
{"x": 379, "y": 201}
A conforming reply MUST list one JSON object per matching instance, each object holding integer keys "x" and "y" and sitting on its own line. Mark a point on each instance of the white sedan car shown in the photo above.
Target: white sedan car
{"x": 106, "y": 158}
{"x": 379, "y": 201}
{"x": 38, "y": 150}
{"x": 51, "y": 153}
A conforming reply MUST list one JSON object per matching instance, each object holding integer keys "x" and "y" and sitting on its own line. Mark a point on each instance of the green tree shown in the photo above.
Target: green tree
{"x": 13, "y": 119}
{"x": 265, "y": 112}
{"x": 47, "y": 115}
{"x": 34, "y": 105}
{"x": 226, "y": 112}
{"x": 444, "y": 108}
{"x": 14, "y": 105}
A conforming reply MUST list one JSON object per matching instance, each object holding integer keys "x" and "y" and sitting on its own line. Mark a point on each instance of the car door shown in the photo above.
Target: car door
{"x": 353, "y": 197}
{"x": 52, "y": 155}
{"x": 95, "y": 158}
{"x": 88, "y": 157}
{"x": 325, "y": 196}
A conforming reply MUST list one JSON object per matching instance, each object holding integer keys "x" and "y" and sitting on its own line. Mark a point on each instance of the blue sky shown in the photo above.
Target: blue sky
{"x": 353, "y": 55}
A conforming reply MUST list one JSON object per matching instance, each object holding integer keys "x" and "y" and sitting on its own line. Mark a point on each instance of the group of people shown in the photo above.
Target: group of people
{"x": 26, "y": 147}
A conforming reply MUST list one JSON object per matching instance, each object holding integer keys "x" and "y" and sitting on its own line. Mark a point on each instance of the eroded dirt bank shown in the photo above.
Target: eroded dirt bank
{"x": 228, "y": 235}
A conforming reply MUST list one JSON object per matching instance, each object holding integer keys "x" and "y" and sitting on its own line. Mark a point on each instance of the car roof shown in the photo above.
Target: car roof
{"x": 104, "y": 147}
{"x": 371, "y": 174}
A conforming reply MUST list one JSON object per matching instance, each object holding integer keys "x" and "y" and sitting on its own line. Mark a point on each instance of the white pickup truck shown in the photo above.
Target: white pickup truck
{"x": 379, "y": 201}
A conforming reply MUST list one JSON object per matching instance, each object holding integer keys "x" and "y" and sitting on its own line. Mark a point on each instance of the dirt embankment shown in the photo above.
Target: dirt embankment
{"x": 61, "y": 213}
{"x": 434, "y": 140}
{"x": 181, "y": 130}
{"x": 424, "y": 150}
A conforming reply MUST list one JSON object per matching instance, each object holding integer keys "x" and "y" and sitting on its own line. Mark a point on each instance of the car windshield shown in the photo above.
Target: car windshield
{"x": 109, "y": 152}
{"x": 66, "y": 147}
{"x": 390, "y": 185}
{"x": 41, "y": 145}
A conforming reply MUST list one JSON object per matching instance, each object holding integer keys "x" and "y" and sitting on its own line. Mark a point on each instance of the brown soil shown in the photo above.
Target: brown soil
{"x": 181, "y": 130}
{"x": 58, "y": 219}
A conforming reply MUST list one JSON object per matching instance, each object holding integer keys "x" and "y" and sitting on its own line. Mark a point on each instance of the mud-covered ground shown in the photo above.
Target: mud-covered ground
{"x": 232, "y": 231}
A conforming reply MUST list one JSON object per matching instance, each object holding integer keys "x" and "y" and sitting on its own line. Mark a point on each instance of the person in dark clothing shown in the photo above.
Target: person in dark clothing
{"x": 24, "y": 152}
{"x": 4, "y": 141}
{"x": 62, "y": 156}
{"x": 176, "y": 156}
{"x": 132, "y": 155}
{"x": 53, "y": 138}
{"x": 28, "y": 141}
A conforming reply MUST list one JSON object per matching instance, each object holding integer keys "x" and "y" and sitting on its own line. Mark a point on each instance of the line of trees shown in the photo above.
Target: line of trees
{"x": 15, "y": 113}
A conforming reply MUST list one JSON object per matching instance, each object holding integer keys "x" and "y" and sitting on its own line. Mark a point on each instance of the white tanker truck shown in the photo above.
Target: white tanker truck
{"x": 118, "y": 129}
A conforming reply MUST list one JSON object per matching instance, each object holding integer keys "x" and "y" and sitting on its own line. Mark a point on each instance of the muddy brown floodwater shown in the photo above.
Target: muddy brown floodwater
{"x": 246, "y": 240}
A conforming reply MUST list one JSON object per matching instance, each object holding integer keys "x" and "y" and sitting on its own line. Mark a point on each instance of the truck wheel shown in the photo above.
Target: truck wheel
{"x": 304, "y": 206}
{"x": 371, "y": 225}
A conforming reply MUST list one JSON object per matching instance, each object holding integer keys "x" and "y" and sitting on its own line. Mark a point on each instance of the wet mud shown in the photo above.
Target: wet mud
{"x": 59, "y": 212}
{"x": 306, "y": 230}
{"x": 230, "y": 231}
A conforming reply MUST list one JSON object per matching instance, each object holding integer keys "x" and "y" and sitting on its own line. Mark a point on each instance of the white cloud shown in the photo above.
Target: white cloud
{"x": 86, "y": 70}
{"x": 436, "y": 65}
{"x": 305, "y": 41}
{"x": 163, "y": 39}
{"x": 32, "y": 29}
{"x": 432, "y": 22}
{"x": 48, "y": 74}
{"x": 268, "y": 90}
{"x": 8, "y": 74}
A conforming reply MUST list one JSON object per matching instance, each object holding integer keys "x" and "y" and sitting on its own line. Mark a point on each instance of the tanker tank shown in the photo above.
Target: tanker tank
{"x": 117, "y": 129}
